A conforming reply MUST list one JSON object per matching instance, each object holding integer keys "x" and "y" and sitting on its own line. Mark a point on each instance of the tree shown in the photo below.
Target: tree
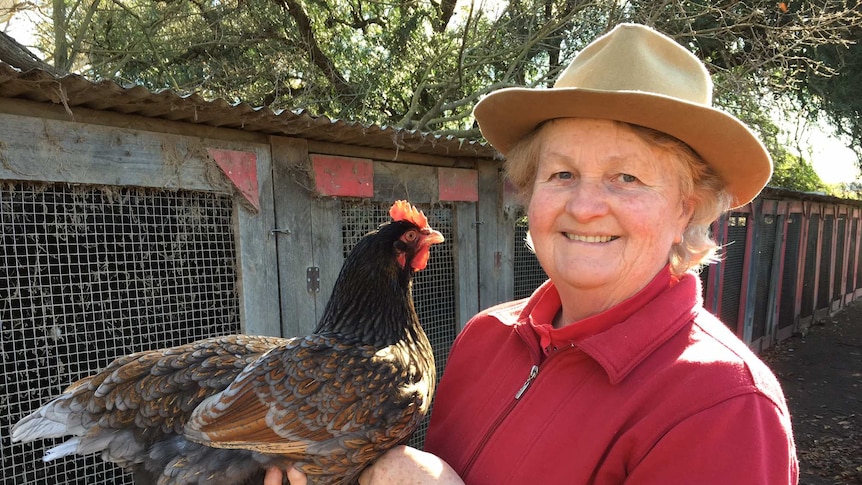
{"x": 836, "y": 96}
{"x": 793, "y": 172}
{"x": 423, "y": 65}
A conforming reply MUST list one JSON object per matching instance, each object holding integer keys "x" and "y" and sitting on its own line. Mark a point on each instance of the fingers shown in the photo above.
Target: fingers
{"x": 273, "y": 477}
{"x": 296, "y": 477}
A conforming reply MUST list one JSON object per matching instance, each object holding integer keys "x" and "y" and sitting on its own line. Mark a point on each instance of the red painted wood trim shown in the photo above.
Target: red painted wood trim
{"x": 343, "y": 176}
{"x": 458, "y": 184}
{"x": 241, "y": 169}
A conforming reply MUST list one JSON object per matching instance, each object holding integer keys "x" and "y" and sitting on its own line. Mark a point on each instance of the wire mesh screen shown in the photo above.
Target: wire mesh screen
{"x": 851, "y": 262}
{"x": 823, "y": 293}
{"x": 734, "y": 259}
{"x": 808, "y": 296}
{"x": 787, "y": 303}
{"x": 90, "y": 274}
{"x": 838, "y": 274}
{"x": 703, "y": 274}
{"x": 529, "y": 274}
{"x": 765, "y": 249}
{"x": 858, "y": 259}
{"x": 433, "y": 287}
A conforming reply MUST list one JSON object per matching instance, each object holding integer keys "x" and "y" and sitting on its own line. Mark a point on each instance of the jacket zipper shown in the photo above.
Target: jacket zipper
{"x": 534, "y": 372}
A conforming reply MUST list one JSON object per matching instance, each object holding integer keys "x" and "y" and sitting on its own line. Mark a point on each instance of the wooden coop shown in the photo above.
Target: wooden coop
{"x": 135, "y": 220}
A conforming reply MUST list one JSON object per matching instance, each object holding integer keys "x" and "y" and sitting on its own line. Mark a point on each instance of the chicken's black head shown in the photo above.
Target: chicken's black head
{"x": 413, "y": 246}
{"x": 372, "y": 295}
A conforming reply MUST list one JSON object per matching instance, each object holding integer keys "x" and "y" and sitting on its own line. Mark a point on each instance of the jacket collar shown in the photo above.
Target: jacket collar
{"x": 623, "y": 346}
{"x": 618, "y": 346}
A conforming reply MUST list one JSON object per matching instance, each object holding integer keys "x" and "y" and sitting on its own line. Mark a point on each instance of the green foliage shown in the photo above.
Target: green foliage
{"x": 837, "y": 95}
{"x": 423, "y": 65}
{"x": 792, "y": 172}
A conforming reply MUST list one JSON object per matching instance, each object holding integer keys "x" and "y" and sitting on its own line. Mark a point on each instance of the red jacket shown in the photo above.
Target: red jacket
{"x": 655, "y": 391}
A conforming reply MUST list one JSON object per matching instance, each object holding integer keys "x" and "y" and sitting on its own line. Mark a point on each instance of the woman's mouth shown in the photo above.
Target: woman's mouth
{"x": 589, "y": 239}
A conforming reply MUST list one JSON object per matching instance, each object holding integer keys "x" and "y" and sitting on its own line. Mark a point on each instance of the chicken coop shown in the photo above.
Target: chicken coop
{"x": 134, "y": 220}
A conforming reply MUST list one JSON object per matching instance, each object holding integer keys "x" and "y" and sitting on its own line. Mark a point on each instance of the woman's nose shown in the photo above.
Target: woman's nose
{"x": 588, "y": 199}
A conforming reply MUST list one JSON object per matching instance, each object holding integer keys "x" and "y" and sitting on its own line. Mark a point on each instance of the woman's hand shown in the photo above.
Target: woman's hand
{"x": 294, "y": 477}
{"x": 408, "y": 466}
{"x": 401, "y": 465}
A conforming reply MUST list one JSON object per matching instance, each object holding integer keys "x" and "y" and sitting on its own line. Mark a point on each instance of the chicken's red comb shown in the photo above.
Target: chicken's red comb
{"x": 405, "y": 211}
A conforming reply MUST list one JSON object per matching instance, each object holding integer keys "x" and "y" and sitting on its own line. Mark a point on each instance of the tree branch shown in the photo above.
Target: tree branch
{"x": 20, "y": 57}
{"x": 315, "y": 53}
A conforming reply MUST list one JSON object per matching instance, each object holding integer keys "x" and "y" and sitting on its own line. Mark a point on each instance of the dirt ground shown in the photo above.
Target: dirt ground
{"x": 821, "y": 373}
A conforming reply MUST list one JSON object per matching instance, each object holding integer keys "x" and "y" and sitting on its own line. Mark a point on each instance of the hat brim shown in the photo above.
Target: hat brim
{"x": 724, "y": 142}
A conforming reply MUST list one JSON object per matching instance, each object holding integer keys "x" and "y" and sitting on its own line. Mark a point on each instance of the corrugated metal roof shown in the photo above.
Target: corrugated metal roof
{"x": 75, "y": 91}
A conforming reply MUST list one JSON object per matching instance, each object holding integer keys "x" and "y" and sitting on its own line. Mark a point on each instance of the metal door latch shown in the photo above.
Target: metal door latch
{"x": 312, "y": 279}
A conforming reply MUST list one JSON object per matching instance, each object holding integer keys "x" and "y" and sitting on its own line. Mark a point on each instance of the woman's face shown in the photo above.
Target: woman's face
{"x": 605, "y": 210}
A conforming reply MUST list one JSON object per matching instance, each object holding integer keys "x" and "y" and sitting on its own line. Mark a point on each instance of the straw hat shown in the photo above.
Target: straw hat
{"x": 637, "y": 75}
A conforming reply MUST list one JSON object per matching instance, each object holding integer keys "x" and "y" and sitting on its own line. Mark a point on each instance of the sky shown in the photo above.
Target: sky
{"x": 833, "y": 161}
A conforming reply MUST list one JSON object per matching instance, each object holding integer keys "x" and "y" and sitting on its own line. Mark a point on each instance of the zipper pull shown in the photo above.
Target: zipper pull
{"x": 534, "y": 371}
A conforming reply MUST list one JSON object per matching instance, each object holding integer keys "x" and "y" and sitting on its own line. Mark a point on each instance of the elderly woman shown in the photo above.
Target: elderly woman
{"x": 612, "y": 371}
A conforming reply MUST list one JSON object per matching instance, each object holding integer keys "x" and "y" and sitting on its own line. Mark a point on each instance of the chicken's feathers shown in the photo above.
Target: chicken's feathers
{"x": 316, "y": 396}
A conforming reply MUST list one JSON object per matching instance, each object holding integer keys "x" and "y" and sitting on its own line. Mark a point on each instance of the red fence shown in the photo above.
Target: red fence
{"x": 789, "y": 259}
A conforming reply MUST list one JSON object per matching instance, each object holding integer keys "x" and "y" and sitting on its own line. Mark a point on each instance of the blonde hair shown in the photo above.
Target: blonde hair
{"x": 699, "y": 184}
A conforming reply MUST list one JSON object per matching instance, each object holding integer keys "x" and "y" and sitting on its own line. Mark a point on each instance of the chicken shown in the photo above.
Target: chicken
{"x": 221, "y": 410}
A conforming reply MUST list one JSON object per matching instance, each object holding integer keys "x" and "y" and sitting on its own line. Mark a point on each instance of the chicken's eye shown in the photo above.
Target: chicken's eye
{"x": 410, "y": 236}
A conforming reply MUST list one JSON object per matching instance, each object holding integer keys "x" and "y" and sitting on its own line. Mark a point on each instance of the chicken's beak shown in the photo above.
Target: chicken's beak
{"x": 430, "y": 236}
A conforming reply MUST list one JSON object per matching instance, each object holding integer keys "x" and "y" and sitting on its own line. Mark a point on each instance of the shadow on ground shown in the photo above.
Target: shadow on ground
{"x": 821, "y": 373}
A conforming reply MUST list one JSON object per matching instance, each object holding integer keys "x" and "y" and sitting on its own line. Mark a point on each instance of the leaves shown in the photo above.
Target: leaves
{"x": 423, "y": 65}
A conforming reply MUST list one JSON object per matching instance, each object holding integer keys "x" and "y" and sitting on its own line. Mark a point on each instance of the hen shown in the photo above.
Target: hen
{"x": 221, "y": 410}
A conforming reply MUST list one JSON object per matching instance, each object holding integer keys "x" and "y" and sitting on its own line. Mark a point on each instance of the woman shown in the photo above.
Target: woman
{"x": 612, "y": 371}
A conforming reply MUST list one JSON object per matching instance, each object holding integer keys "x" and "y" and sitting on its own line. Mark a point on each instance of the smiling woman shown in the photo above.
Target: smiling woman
{"x": 604, "y": 211}
{"x": 612, "y": 371}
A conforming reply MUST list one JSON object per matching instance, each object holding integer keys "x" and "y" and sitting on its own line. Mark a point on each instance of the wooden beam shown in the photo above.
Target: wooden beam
{"x": 46, "y": 150}
{"x": 386, "y": 155}
{"x": 257, "y": 255}
{"x": 60, "y": 112}
{"x": 293, "y": 234}
{"x": 465, "y": 248}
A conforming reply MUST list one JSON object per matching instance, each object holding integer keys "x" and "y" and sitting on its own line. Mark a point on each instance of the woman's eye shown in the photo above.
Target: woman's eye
{"x": 563, "y": 175}
{"x": 628, "y": 178}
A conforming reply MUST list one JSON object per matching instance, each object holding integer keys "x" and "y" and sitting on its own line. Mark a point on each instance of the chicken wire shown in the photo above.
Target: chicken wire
{"x": 810, "y": 267}
{"x": 858, "y": 258}
{"x": 850, "y": 282}
{"x": 734, "y": 269}
{"x": 90, "y": 274}
{"x": 767, "y": 228}
{"x": 786, "y": 313}
{"x": 433, "y": 287}
{"x": 824, "y": 296}
{"x": 528, "y": 273}
{"x": 838, "y": 274}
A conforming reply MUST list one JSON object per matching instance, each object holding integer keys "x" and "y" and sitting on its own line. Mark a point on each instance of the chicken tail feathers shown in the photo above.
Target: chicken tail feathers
{"x": 69, "y": 447}
{"x": 54, "y": 420}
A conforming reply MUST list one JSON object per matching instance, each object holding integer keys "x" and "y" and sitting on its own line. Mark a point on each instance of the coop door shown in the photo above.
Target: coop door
{"x": 88, "y": 274}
